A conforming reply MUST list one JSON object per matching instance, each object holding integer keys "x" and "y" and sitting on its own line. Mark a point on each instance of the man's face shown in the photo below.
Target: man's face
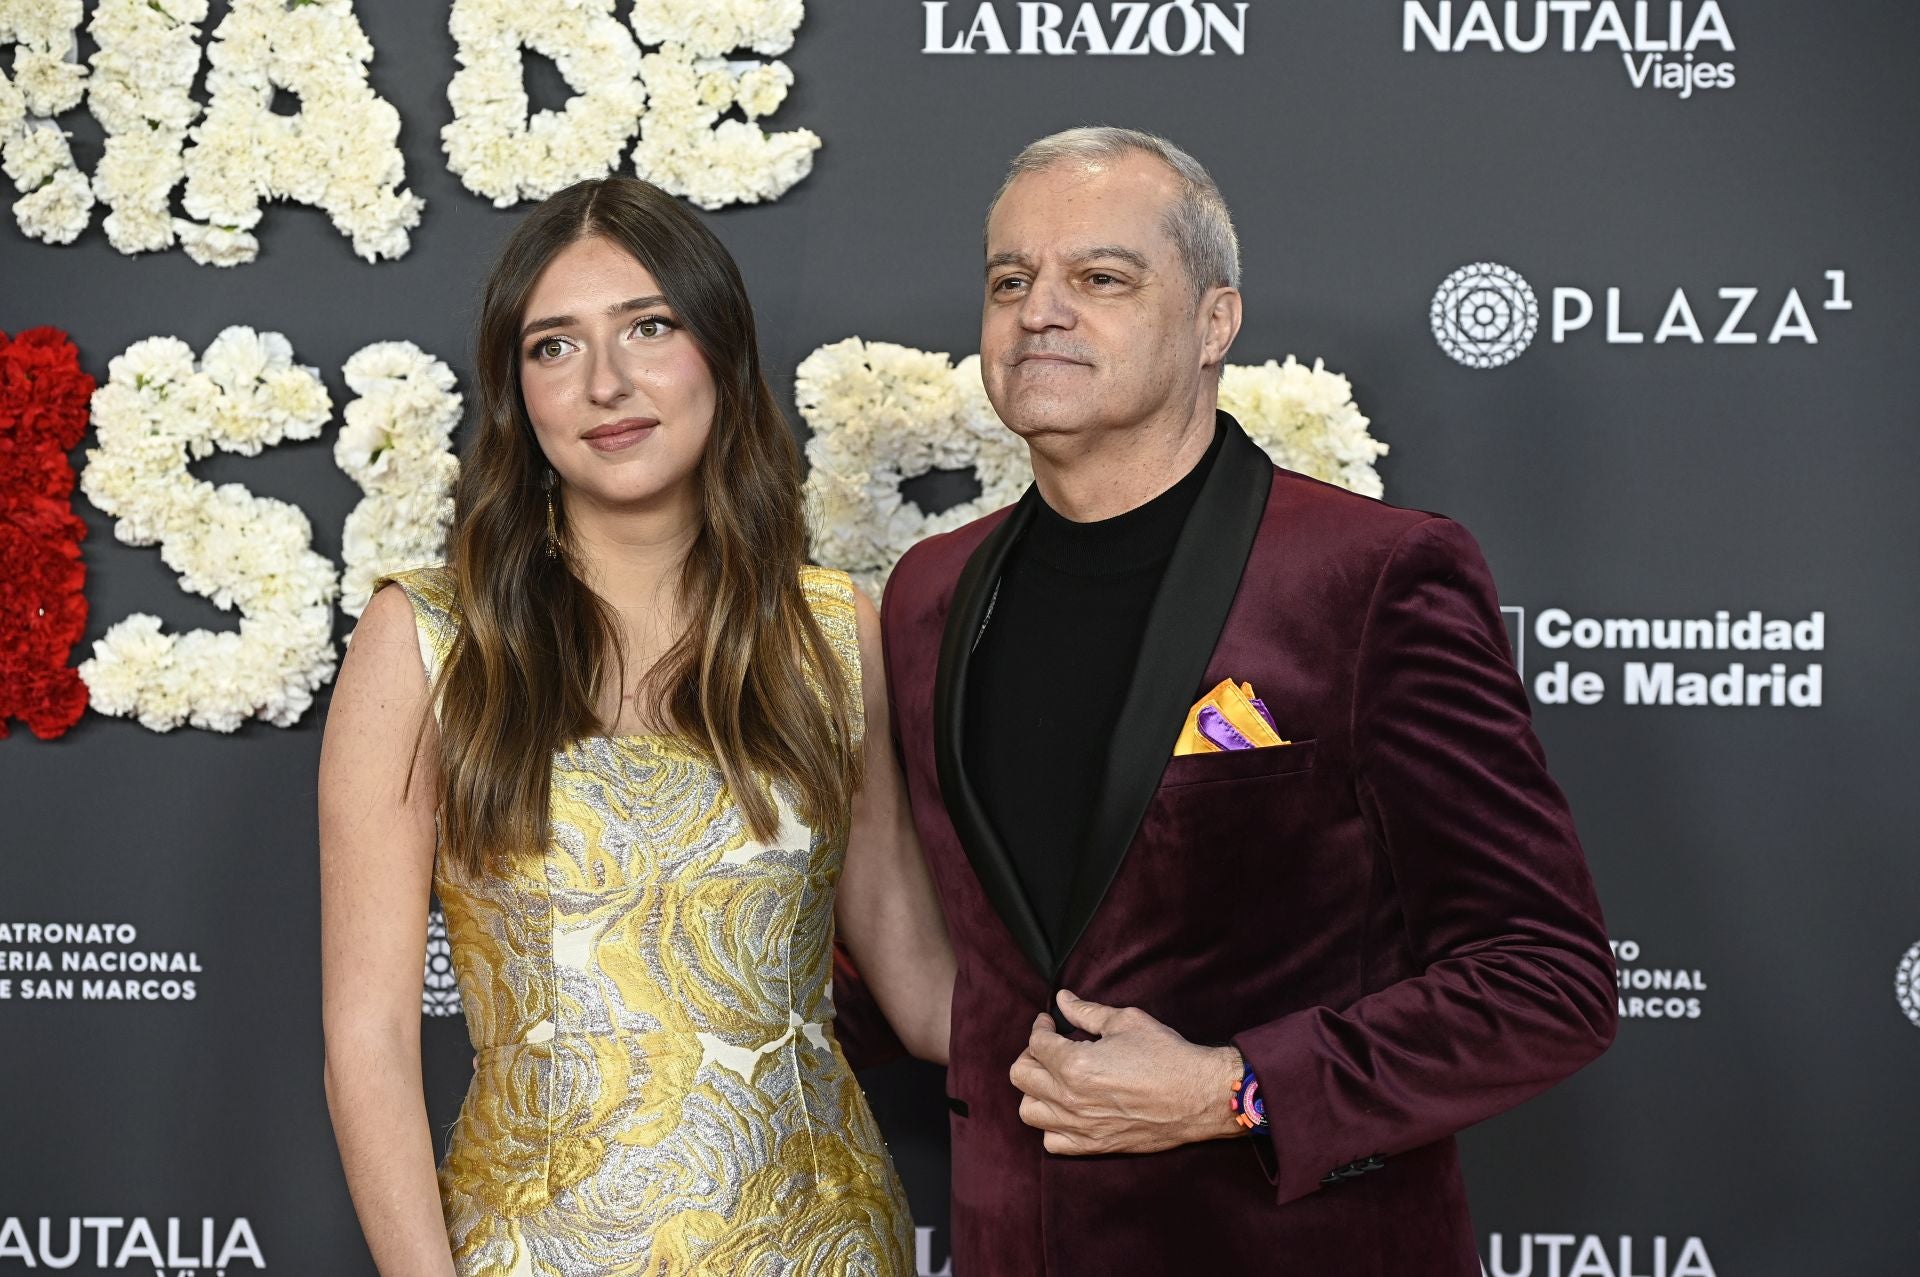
{"x": 1089, "y": 322}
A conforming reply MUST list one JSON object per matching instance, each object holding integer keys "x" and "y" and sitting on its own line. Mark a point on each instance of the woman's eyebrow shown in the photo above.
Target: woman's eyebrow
{"x": 618, "y": 308}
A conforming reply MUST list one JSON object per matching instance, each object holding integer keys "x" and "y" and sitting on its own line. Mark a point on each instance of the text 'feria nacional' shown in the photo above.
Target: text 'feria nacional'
{"x": 1662, "y": 45}
{"x": 92, "y": 962}
{"x": 1175, "y": 28}
{"x": 1655, "y": 993}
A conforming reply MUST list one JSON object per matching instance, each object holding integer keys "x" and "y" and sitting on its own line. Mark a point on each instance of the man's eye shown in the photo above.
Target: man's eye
{"x": 1010, "y": 282}
{"x": 1102, "y": 279}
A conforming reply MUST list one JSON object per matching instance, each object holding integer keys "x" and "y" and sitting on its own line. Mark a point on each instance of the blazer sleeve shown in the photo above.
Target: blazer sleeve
{"x": 1516, "y": 986}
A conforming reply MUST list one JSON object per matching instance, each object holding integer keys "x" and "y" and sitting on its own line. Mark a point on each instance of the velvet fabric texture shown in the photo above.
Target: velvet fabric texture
{"x": 1391, "y": 917}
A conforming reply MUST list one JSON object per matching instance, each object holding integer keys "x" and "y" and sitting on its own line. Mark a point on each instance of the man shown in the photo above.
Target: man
{"x": 1385, "y": 926}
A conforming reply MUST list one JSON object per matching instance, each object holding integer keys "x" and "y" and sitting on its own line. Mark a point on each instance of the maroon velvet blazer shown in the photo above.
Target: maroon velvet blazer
{"x": 1390, "y": 917}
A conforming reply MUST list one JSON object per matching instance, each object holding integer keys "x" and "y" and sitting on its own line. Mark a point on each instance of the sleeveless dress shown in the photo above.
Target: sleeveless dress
{"x": 658, "y": 1089}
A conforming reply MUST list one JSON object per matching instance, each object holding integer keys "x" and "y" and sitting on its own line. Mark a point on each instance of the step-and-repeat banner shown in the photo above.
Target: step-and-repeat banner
{"x": 1626, "y": 287}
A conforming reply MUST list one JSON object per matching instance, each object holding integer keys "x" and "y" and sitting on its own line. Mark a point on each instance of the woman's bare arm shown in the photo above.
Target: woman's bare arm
{"x": 889, "y": 915}
{"x": 376, "y": 870}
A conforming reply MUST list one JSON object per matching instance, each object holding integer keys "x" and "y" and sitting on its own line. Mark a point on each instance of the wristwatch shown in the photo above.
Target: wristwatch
{"x": 1248, "y": 1106}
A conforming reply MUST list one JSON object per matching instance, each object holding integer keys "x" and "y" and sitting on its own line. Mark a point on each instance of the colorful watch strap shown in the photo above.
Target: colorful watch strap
{"x": 1248, "y": 1106}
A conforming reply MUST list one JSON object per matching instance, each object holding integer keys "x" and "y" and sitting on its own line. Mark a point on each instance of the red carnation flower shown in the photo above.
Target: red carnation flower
{"x": 44, "y": 395}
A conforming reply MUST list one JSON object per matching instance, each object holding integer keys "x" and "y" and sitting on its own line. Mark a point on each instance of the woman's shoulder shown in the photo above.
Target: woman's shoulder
{"x": 429, "y": 589}
{"x": 431, "y": 594}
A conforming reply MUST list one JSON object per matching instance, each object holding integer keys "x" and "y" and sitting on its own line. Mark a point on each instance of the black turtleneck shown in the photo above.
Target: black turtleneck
{"x": 1045, "y": 684}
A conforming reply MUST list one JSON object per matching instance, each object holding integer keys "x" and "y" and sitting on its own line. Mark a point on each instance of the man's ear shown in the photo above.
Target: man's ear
{"x": 1220, "y": 315}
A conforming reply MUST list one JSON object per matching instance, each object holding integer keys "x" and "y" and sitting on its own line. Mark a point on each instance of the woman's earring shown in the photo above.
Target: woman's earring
{"x": 553, "y": 535}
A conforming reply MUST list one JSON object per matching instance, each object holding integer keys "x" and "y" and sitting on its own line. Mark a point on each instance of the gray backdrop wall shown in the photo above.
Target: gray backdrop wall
{"x": 1757, "y": 1117}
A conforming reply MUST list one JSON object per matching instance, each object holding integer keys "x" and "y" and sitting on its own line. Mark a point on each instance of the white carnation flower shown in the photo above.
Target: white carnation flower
{"x": 683, "y": 150}
{"x": 144, "y": 67}
{"x": 156, "y": 412}
{"x": 13, "y": 110}
{"x": 1306, "y": 420}
{"x": 135, "y": 178}
{"x": 36, "y": 154}
{"x": 57, "y": 212}
{"x": 710, "y": 28}
{"x": 340, "y": 153}
{"x": 396, "y": 446}
{"x": 492, "y": 144}
{"x": 239, "y": 358}
{"x": 386, "y": 365}
{"x": 216, "y": 245}
{"x": 363, "y": 448}
{"x": 674, "y": 98}
{"x": 763, "y": 88}
{"x": 56, "y": 201}
{"x": 121, "y": 657}
{"x": 153, "y": 362}
{"x": 50, "y": 84}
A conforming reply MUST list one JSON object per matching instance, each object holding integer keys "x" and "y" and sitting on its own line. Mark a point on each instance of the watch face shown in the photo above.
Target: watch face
{"x": 1247, "y": 1106}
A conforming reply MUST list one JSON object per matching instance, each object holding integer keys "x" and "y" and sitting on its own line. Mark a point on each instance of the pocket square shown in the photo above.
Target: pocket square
{"x": 1228, "y": 717}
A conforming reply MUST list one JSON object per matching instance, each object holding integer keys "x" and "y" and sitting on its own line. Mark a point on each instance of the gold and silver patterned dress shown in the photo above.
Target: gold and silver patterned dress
{"x": 658, "y": 1089}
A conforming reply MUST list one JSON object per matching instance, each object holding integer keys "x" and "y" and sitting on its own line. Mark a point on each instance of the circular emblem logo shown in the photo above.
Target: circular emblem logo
{"x": 1906, "y": 985}
{"x": 441, "y": 993}
{"x": 1485, "y": 315}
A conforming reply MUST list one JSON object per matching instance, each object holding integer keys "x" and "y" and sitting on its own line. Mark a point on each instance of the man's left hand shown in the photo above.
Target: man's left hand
{"x": 1139, "y": 1088}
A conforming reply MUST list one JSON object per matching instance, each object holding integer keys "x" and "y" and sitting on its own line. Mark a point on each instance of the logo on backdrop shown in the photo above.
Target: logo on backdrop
{"x": 1175, "y": 28}
{"x": 1594, "y": 1256}
{"x": 1770, "y": 667}
{"x": 1906, "y": 985}
{"x": 923, "y": 1256}
{"x": 1683, "y": 48}
{"x": 167, "y": 1247}
{"x": 440, "y": 995}
{"x": 1486, "y": 315}
{"x": 1655, "y": 993}
{"x": 92, "y": 962}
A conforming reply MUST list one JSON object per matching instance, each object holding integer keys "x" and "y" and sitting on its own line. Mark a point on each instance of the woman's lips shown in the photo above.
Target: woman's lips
{"x": 616, "y": 435}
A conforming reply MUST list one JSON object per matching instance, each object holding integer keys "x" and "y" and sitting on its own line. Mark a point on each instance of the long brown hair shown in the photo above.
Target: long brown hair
{"x": 752, "y": 683}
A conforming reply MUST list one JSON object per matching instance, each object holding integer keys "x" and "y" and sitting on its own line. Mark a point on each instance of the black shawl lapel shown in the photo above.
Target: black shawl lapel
{"x": 1183, "y": 627}
{"x": 972, "y": 596}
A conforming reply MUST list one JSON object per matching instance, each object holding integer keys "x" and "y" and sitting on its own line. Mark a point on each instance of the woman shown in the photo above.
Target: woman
{"x": 620, "y": 735}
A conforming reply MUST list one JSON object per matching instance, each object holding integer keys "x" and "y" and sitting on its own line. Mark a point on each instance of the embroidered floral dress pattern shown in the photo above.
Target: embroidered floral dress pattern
{"x": 657, "y": 1087}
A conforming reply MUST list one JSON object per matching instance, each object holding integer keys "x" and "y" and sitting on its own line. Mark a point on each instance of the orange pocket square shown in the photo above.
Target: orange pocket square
{"x": 1228, "y": 717}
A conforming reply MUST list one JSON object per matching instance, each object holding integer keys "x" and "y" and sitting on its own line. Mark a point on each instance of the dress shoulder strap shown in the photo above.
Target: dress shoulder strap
{"x": 829, "y": 595}
{"x": 436, "y": 612}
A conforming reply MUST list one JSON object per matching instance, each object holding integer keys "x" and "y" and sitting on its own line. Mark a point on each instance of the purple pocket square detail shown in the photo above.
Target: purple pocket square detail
{"x": 1214, "y": 726}
{"x": 1261, "y": 706}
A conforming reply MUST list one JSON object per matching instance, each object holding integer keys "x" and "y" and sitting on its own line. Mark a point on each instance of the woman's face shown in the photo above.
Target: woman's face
{"x": 620, "y": 397}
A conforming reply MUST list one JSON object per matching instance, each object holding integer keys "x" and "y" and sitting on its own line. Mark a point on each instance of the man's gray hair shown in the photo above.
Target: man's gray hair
{"x": 1197, "y": 220}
